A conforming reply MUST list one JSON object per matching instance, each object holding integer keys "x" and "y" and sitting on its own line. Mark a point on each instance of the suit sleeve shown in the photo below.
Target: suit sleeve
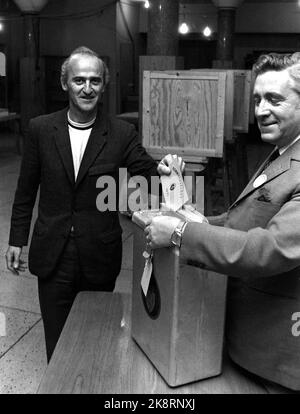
{"x": 259, "y": 252}
{"x": 26, "y": 192}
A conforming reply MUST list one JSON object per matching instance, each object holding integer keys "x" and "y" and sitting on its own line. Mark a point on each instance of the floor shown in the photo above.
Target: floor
{"x": 22, "y": 347}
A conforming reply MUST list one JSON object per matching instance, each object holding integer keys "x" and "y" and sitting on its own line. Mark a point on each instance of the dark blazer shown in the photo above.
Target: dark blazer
{"x": 260, "y": 248}
{"x": 47, "y": 164}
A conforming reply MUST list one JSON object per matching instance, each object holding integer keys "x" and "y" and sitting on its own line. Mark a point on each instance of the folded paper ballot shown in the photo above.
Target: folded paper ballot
{"x": 173, "y": 187}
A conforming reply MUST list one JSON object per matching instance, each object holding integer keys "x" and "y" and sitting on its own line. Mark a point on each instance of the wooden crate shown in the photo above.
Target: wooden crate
{"x": 155, "y": 63}
{"x": 183, "y": 113}
{"x": 238, "y": 94}
{"x": 180, "y": 323}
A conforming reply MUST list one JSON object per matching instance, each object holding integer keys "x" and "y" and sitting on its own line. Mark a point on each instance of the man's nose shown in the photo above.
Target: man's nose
{"x": 262, "y": 109}
{"x": 87, "y": 87}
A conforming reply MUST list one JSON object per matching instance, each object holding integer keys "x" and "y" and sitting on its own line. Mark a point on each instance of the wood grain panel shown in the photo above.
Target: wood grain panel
{"x": 184, "y": 110}
{"x": 229, "y": 99}
{"x": 155, "y": 63}
{"x": 238, "y": 93}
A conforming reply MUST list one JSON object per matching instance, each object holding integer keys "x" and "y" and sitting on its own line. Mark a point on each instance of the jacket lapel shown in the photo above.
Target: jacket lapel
{"x": 63, "y": 144}
{"x": 277, "y": 167}
{"x": 95, "y": 144}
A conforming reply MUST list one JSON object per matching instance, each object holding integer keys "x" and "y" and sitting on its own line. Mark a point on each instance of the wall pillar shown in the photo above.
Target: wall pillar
{"x": 226, "y": 29}
{"x": 31, "y": 34}
{"x": 163, "y": 28}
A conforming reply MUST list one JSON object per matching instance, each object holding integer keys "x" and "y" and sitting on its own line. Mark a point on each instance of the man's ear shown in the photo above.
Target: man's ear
{"x": 64, "y": 86}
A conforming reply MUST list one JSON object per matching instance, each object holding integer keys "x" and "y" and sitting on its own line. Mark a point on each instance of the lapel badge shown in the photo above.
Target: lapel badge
{"x": 261, "y": 179}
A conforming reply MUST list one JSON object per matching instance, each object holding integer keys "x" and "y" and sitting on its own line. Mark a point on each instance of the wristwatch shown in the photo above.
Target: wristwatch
{"x": 177, "y": 233}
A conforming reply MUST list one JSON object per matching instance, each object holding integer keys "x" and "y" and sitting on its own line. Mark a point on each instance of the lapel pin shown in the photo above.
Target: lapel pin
{"x": 261, "y": 179}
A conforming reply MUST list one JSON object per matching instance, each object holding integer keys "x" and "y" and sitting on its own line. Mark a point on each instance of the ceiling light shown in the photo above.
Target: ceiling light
{"x": 184, "y": 28}
{"x": 207, "y": 31}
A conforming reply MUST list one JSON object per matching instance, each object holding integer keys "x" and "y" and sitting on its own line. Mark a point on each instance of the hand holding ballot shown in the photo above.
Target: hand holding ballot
{"x": 165, "y": 164}
{"x": 167, "y": 230}
{"x": 158, "y": 232}
{"x": 164, "y": 230}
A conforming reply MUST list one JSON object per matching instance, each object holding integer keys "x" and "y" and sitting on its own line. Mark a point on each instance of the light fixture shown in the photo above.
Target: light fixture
{"x": 146, "y": 4}
{"x": 184, "y": 28}
{"x": 31, "y": 6}
{"x": 1, "y": 26}
{"x": 207, "y": 31}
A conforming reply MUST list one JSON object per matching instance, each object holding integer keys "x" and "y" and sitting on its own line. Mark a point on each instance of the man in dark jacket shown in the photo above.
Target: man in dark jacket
{"x": 74, "y": 246}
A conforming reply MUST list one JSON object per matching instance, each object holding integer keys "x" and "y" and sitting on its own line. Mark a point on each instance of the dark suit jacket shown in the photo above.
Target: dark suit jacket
{"x": 260, "y": 248}
{"x": 47, "y": 164}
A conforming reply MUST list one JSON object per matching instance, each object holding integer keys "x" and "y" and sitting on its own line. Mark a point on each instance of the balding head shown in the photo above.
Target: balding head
{"x": 83, "y": 51}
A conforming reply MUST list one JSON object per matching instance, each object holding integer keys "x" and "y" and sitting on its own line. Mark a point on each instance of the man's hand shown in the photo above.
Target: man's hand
{"x": 13, "y": 260}
{"x": 163, "y": 166}
{"x": 159, "y": 231}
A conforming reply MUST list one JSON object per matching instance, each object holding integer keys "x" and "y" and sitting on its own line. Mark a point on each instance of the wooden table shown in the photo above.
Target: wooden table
{"x": 96, "y": 355}
{"x": 14, "y": 118}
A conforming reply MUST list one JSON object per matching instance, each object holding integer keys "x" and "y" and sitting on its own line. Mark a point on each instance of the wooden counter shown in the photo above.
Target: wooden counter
{"x": 96, "y": 355}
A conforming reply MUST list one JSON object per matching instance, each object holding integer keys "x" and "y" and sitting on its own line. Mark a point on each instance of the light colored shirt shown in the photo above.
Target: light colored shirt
{"x": 79, "y": 136}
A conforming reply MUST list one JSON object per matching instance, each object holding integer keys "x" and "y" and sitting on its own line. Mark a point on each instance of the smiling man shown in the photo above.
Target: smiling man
{"x": 259, "y": 245}
{"x": 84, "y": 78}
{"x": 277, "y": 108}
{"x": 74, "y": 246}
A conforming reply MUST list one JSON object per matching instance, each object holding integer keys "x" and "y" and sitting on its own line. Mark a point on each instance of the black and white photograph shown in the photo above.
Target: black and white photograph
{"x": 150, "y": 200}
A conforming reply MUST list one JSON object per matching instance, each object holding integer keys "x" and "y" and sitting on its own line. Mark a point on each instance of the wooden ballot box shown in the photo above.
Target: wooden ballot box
{"x": 179, "y": 324}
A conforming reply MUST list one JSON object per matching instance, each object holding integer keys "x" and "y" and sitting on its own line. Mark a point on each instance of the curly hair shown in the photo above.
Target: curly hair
{"x": 84, "y": 51}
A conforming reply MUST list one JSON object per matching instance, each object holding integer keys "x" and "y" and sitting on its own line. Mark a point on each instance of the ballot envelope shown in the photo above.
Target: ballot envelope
{"x": 179, "y": 322}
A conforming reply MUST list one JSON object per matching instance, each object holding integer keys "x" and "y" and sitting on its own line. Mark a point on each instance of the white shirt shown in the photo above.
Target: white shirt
{"x": 79, "y": 136}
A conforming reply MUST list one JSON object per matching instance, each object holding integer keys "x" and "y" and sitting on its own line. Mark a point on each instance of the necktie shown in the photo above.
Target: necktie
{"x": 273, "y": 157}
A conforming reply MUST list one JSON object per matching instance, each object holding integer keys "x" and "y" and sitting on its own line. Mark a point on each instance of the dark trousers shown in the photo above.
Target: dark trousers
{"x": 57, "y": 293}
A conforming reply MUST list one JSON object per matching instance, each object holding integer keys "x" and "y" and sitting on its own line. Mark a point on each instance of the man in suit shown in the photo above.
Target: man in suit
{"x": 259, "y": 245}
{"x": 74, "y": 246}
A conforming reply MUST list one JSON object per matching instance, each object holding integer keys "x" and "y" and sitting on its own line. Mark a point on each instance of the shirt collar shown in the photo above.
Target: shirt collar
{"x": 80, "y": 125}
{"x": 283, "y": 149}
